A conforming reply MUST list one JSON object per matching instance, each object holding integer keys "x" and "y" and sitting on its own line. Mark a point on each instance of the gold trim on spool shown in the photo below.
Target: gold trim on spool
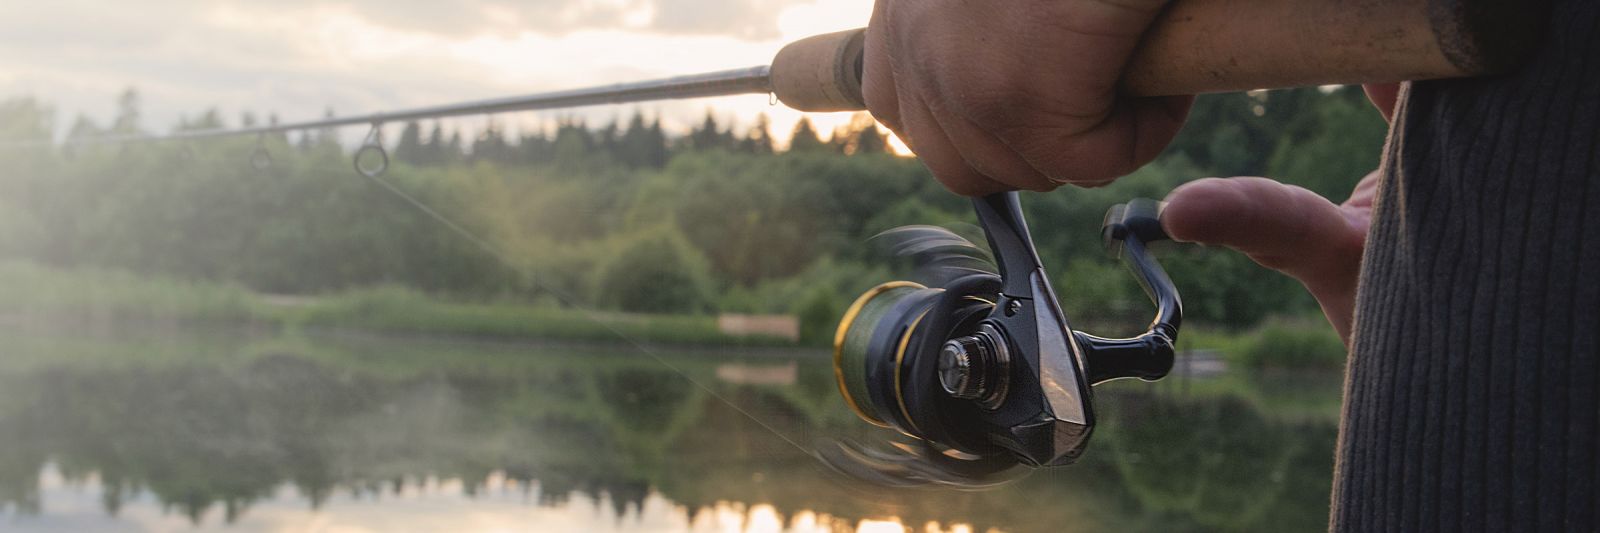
{"x": 844, "y": 329}
{"x": 899, "y": 357}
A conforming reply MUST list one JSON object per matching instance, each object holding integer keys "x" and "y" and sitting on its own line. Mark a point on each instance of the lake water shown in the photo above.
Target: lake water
{"x": 175, "y": 429}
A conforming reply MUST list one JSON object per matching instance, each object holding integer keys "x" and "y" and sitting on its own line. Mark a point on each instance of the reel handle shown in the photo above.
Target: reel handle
{"x": 1127, "y": 229}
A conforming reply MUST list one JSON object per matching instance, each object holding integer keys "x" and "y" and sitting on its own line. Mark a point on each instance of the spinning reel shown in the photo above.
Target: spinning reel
{"x": 984, "y": 371}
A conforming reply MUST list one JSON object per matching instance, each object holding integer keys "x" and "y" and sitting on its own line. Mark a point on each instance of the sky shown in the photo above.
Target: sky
{"x": 297, "y": 58}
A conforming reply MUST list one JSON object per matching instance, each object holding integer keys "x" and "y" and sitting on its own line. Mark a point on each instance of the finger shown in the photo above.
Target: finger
{"x": 984, "y": 152}
{"x": 934, "y": 149}
{"x": 1135, "y": 131}
{"x": 1282, "y": 227}
{"x": 877, "y": 72}
{"x": 1383, "y": 97}
{"x": 1366, "y": 191}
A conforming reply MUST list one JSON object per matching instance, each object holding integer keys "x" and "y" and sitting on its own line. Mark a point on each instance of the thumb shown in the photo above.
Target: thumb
{"x": 1282, "y": 227}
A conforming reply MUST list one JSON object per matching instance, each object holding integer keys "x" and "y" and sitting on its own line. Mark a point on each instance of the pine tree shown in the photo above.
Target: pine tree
{"x": 452, "y": 150}
{"x": 209, "y": 120}
{"x": 573, "y": 144}
{"x": 328, "y": 137}
{"x": 281, "y": 136}
{"x": 409, "y": 149}
{"x": 25, "y": 119}
{"x": 643, "y": 145}
{"x": 433, "y": 151}
{"x": 708, "y": 136}
{"x": 860, "y": 136}
{"x": 535, "y": 148}
{"x": 127, "y": 121}
{"x": 805, "y": 138}
{"x": 759, "y": 140}
{"x": 83, "y": 128}
{"x": 491, "y": 145}
{"x": 658, "y": 154}
{"x": 609, "y": 140}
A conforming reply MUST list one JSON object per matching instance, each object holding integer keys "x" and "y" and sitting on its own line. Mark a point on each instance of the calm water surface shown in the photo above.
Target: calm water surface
{"x": 188, "y": 430}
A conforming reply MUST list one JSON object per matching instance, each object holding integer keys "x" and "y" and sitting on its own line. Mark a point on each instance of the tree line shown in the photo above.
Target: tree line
{"x": 625, "y": 215}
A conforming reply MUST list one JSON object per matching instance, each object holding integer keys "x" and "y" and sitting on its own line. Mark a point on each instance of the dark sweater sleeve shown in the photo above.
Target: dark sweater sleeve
{"x": 1470, "y": 399}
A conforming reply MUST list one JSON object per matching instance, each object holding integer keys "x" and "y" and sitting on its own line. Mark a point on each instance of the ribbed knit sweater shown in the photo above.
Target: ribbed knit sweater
{"x": 1471, "y": 397}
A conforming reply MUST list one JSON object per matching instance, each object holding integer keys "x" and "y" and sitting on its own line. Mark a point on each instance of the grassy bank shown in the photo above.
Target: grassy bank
{"x": 31, "y": 293}
{"x": 401, "y": 310}
{"x": 34, "y": 293}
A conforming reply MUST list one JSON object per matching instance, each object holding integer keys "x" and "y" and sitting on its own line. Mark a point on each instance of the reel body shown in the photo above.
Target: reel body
{"x": 986, "y": 367}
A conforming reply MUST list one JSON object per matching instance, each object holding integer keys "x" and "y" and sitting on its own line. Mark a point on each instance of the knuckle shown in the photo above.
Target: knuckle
{"x": 964, "y": 183}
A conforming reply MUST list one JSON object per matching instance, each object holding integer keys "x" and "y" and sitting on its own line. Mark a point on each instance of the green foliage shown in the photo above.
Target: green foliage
{"x": 399, "y": 310}
{"x": 1342, "y": 138}
{"x": 819, "y": 314}
{"x": 804, "y": 138}
{"x": 735, "y": 226}
{"x": 1100, "y": 296}
{"x": 655, "y": 271}
{"x": 1281, "y": 343}
{"x": 35, "y": 293}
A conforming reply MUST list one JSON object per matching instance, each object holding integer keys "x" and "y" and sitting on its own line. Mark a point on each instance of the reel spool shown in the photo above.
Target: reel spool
{"x": 984, "y": 370}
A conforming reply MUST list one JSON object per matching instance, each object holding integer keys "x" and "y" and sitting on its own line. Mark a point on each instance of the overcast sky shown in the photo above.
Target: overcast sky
{"x": 299, "y": 57}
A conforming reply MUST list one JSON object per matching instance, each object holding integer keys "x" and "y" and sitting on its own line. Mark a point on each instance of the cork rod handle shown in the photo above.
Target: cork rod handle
{"x": 1204, "y": 46}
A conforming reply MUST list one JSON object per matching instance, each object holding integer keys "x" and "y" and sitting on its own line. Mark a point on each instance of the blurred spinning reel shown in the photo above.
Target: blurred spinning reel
{"x": 983, "y": 372}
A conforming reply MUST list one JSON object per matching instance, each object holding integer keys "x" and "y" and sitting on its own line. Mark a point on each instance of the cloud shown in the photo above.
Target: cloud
{"x": 298, "y": 57}
{"x": 744, "y": 19}
{"x": 93, "y": 21}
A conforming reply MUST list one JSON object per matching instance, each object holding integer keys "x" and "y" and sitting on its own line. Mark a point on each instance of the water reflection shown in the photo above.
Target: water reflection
{"x": 227, "y": 430}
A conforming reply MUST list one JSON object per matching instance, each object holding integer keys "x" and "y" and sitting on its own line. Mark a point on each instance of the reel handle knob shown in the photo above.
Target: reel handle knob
{"x": 1127, "y": 229}
{"x": 1140, "y": 218}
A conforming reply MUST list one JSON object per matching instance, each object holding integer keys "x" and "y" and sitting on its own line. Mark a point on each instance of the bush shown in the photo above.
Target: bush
{"x": 819, "y": 315}
{"x": 655, "y": 271}
{"x": 1280, "y": 343}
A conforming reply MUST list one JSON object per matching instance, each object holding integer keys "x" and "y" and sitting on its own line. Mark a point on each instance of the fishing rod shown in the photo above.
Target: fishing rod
{"x": 1195, "y": 46}
{"x": 979, "y": 366}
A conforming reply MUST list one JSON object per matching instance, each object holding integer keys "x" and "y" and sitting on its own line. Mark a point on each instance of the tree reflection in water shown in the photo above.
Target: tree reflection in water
{"x": 225, "y": 421}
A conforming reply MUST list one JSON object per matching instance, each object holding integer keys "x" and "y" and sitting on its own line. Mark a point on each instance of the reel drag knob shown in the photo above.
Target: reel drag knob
{"x": 974, "y": 367}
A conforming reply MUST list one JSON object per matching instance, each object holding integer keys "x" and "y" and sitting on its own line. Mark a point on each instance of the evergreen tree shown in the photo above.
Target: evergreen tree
{"x": 281, "y": 136}
{"x": 209, "y": 120}
{"x": 658, "y": 147}
{"x": 860, "y": 136}
{"x": 127, "y": 121}
{"x": 83, "y": 128}
{"x": 491, "y": 145}
{"x": 643, "y": 145}
{"x": 573, "y": 144}
{"x": 805, "y": 138}
{"x": 25, "y": 119}
{"x": 305, "y": 141}
{"x": 759, "y": 140}
{"x": 409, "y": 149}
{"x": 709, "y": 136}
{"x": 534, "y": 149}
{"x": 452, "y": 150}
{"x": 608, "y": 139}
{"x": 433, "y": 151}
{"x": 328, "y": 138}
